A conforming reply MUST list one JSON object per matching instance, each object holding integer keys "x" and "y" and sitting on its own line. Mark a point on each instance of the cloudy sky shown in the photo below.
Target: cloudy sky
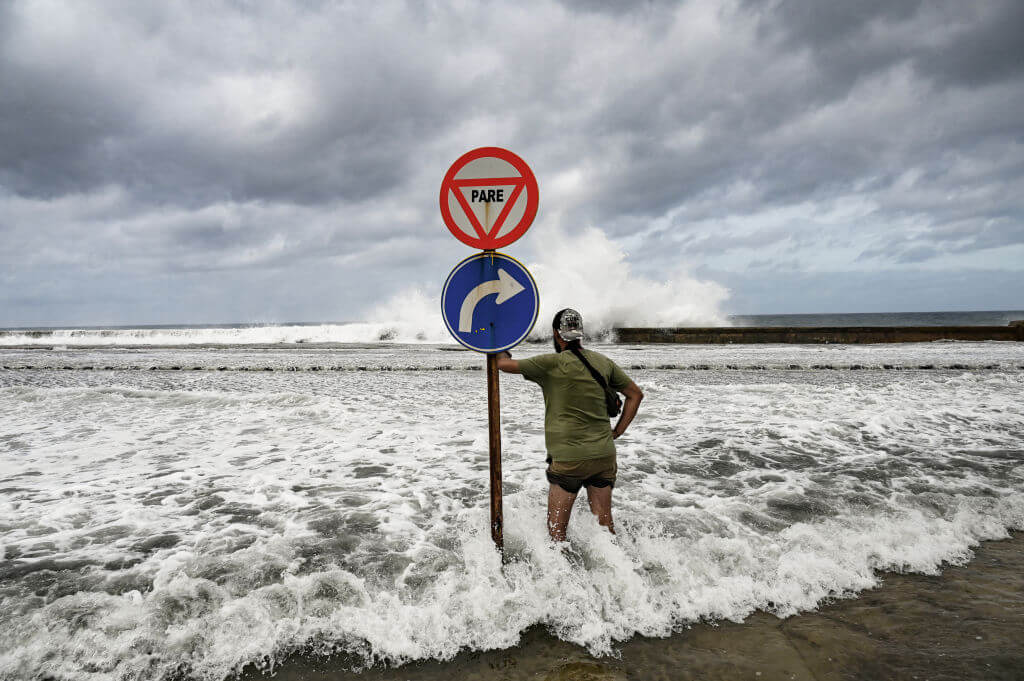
{"x": 280, "y": 161}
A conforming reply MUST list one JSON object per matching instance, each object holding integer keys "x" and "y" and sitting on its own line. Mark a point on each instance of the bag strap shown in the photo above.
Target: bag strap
{"x": 593, "y": 372}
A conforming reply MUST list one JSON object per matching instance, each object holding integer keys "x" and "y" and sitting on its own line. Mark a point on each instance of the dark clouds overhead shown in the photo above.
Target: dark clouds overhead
{"x": 273, "y": 139}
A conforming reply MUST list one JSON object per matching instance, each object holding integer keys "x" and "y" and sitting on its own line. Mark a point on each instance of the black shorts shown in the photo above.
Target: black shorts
{"x": 572, "y": 475}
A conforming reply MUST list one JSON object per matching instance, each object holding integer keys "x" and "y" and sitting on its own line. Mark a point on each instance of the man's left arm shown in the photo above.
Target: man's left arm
{"x": 622, "y": 383}
{"x": 633, "y": 398}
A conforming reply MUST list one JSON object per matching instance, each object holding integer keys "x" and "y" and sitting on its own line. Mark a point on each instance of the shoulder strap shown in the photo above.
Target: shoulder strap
{"x": 611, "y": 400}
{"x": 593, "y": 372}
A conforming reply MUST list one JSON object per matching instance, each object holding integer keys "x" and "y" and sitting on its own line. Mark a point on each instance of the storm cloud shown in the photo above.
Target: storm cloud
{"x": 216, "y": 162}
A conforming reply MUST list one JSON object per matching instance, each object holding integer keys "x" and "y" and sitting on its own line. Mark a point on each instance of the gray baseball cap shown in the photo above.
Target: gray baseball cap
{"x": 570, "y": 325}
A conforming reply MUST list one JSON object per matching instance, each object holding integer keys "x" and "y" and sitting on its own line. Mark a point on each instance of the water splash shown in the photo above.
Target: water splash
{"x": 591, "y": 273}
{"x": 587, "y": 271}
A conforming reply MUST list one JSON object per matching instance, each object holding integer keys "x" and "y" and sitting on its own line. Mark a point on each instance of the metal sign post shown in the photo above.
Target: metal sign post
{"x": 494, "y": 440}
{"x": 490, "y": 301}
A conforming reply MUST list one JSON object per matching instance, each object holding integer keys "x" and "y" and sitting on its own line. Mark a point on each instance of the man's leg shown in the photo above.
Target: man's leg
{"x": 600, "y": 499}
{"x": 559, "y": 507}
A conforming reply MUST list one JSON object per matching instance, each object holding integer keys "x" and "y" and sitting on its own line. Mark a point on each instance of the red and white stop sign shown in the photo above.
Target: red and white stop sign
{"x": 489, "y": 198}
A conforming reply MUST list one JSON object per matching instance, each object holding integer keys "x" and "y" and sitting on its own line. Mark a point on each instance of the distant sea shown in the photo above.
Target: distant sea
{"x": 969, "y": 318}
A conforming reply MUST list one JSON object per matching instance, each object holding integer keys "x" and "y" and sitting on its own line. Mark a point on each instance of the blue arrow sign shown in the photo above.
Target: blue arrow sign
{"x": 490, "y": 302}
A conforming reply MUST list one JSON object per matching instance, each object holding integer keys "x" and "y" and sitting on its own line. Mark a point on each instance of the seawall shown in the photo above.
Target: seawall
{"x": 821, "y": 334}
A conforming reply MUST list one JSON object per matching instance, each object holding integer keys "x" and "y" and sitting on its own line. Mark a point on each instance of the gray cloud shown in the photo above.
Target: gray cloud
{"x": 178, "y": 121}
{"x": 196, "y": 140}
{"x": 906, "y": 289}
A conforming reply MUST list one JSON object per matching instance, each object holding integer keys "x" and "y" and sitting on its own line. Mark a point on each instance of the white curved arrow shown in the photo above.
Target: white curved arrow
{"x": 505, "y": 286}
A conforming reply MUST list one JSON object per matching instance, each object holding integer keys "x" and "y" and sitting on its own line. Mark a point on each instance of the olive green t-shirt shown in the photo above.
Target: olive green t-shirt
{"x": 576, "y": 425}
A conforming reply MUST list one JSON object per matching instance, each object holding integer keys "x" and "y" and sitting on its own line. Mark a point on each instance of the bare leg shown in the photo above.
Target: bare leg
{"x": 600, "y": 499}
{"x": 559, "y": 507}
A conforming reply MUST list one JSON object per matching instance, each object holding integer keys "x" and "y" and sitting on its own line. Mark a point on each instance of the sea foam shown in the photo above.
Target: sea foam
{"x": 160, "y": 522}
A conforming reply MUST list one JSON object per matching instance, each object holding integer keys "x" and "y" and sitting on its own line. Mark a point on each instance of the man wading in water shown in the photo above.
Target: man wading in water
{"x": 580, "y": 442}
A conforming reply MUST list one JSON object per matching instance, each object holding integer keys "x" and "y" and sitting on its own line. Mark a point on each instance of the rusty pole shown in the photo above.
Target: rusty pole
{"x": 494, "y": 432}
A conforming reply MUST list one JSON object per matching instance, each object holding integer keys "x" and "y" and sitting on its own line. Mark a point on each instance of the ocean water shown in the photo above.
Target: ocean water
{"x": 426, "y": 327}
{"x": 189, "y": 511}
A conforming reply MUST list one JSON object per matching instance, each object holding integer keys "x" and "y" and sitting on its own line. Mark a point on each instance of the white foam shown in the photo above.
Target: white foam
{"x": 216, "y": 520}
{"x": 958, "y": 356}
{"x": 356, "y": 332}
{"x": 592, "y": 274}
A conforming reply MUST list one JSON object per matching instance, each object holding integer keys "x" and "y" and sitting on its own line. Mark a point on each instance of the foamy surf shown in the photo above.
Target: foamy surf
{"x": 160, "y": 523}
{"x": 396, "y": 356}
{"x": 273, "y": 334}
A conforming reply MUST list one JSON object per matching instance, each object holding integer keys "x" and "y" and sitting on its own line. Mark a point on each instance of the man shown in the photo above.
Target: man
{"x": 579, "y": 440}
